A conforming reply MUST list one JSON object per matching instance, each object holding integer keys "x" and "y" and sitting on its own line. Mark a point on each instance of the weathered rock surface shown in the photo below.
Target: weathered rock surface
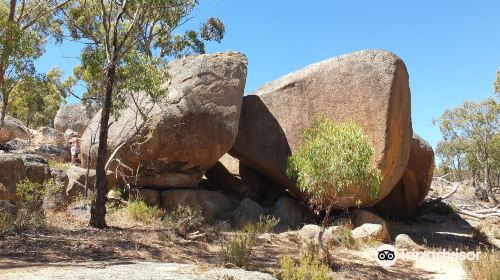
{"x": 37, "y": 168}
{"x": 74, "y": 116}
{"x": 415, "y": 184}
{"x": 150, "y": 196}
{"x": 13, "y": 128}
{"x": 76, "y": 181}
{"x": 48, "y": 135}
{"x": 291, "y": 213}
{"x": 132, "y": 270}
{"x": 368, "y": 87}
{"x": 187, "y": 133}
{"x": 368, "y": 225}
{"x": 16, "y": 144}
{"x": 211, "y": 203}
{"x": 12, "y": 170}
{"x": 235, "y": 178}
{"x": 404, "y": 241}
{"x": 247, "y": 212}
{"x": 59, "y": 153}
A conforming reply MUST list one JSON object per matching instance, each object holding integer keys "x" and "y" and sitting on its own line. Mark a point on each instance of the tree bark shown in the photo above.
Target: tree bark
{"x": 489, "y": 187}
{"x": 322, "y": 231}
{"x": 98, "y": 209}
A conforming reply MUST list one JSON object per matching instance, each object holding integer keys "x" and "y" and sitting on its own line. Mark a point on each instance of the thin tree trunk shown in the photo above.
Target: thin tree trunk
{"x": 489, "y": 188}
{"x": 98, "y": 209}
{"x": 320, "y": 235}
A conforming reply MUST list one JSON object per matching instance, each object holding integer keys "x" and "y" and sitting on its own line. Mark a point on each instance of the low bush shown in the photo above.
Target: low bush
{"x": 239, "y": 248}
{"x": 344, "y": 235}
{"x": 185, "y": 219}
{"x": 141, "y": 211}
{"x": 486, "y": 268}
{"x": 309, "y": 266}
{"x": 29, "y": 202}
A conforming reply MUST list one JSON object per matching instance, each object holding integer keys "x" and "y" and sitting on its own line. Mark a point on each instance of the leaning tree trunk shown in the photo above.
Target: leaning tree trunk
{"x": 98, "y": 209}
{"x": 320, "y": 235}
{"x": 489, "y": 187}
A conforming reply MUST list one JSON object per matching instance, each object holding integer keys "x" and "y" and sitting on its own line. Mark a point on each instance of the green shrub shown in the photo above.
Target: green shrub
{"x": 29, "y": 202}
{"x": 185, "y": 219}
{"x": 265, "y": 224}
{"x": 239, "y": 249}
{"x": 346, "y": 239}
{"x": 486, "y": 268}
{"x": 309, "y": 267}
{"x": 141, "y": 211}
{"x": 332, "y": 159}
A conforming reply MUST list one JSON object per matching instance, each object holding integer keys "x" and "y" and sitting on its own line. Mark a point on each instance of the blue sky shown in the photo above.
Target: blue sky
{"x": 451, "y": 48}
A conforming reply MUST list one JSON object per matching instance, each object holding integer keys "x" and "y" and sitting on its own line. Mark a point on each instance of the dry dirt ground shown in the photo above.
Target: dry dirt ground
{"x": 67, "y": 244}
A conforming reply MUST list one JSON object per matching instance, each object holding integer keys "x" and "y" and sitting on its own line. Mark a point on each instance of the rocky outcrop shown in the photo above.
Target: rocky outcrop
{"x": 415, "y": 183}
{"x": 12, "y": 129}
{"x": 76, "y": 181}
{"x": 235, "y": 178}
{"x": 291, "y": 213}
{"x": 368, "y": 87}
{"x": 368, "y": 225}
{"x": 48, "y": 135}
{"x": 211, "y": 203}
{"x": 74, "y": 116}
{"x": 59, "y": 153}
{"x": 174, "y": 141}
{"x": 12, "y": 170}
{"x": 37, "y": 168}
{"x": 247, "y": 212}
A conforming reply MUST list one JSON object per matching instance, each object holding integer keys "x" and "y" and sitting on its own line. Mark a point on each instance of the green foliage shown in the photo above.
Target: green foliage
{"x": 486, "y": 268}
{"x": 239, "y": 248}
{"x": 333, "y": 158}
{"x": 36, "y": 99}
{"x": 141, "y": 211}
{"x": 309, "y": 267}
{"x": 185, "y": 219}
{"x": 29, "y": 202}
{"x": 265, "y": 224}
{"x": 344, "y": 234}
{"x": 146, "y": 36}
{"x": 25, "y": 27}
{"x": 471, "y": 140}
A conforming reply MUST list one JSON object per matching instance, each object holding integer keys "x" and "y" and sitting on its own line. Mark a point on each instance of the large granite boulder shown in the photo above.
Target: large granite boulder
{"x": 12, "y": 170}
{"x": 368, "y": 87}
{"x": 415, "y": 184}
{"x": 77, "y": 179}
{"x": 74, "y": 116}
{"x": 291, "y": 213}
{"x": 48, "y": 135}
{"x": 37, "y": 168}
{"x": 173, "y": 142}
{"x": 13, "y": 128}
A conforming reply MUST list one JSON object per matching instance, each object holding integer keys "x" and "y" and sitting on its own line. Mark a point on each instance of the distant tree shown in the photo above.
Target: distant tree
{"x": 496, "y": 86}
{"x": 475, "y": 125}
{"x": 333, "y": 158}
{"x": 24, "y": 28}
{"x": 127, "y": 43}
{"x": 36, "y": 99}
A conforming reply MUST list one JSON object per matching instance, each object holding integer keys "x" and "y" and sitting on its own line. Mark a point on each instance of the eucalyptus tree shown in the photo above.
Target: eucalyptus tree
{"x": 333, "y": 158}
{"x": 24, "y": 28}
{"x": 476, "y": 125}
{"x": 127, "y": 44}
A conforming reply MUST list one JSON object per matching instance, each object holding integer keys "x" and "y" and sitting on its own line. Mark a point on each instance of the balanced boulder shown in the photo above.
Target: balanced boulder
{"x": 369, "y": 87}
{"x": 74, "y": 116}
{"x": 48, "y": 135}
{"x": 415, "y": 184}
{"x": 172, "y": 142}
